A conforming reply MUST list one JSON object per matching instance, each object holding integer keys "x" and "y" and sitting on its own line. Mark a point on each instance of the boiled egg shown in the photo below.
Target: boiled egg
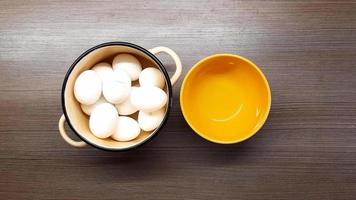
{"x": 128, "y": 63}
{"x": 148, "y": 98}
{"x": 117, "y": 87}
{"x": 88, "y": 109}
{"x": 151, "y": 76}
{"x": 149, "y": 121}
{"x": 87, "y": 87}
{"x": 103, "y": 69}
{"x": 127, "y": 129}
{"x": 103, "y": 120}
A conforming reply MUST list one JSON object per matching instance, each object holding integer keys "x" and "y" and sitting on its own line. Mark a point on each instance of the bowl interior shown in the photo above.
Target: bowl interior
{"x": 76, "y": 117}
{"x": 225, "y": 98}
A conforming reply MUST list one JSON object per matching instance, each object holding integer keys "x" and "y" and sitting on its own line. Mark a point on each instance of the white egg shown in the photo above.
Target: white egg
{"x": 117, "y": 88}
{"x": 88, "y": 109}
{"x": 151, "y": 77}
{"x": 87, "y": 87}
{"x": 149, "y": 121}
{"x": 148, "y": 98}
{"x": 126, "y": 107}
{"x": 128, "y": 63}
{"x": 103, "y": 120}
{"x": 127, "y": 129}
{"x": 103, "y": 69}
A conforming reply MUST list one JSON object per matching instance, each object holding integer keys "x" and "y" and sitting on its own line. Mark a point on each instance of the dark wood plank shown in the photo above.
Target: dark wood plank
{"x": 306, "y": 150}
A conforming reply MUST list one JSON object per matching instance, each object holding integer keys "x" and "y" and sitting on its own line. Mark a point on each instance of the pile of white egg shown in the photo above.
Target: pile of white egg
{"x": 110, "y": 96}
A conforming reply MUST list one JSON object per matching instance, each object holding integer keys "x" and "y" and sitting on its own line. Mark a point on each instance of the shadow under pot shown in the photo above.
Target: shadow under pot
{"x": 79, "y": 122}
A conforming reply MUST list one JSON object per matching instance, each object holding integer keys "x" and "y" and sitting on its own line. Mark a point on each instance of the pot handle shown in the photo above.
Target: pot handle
{"x": 66, "y": 137}
{"x": 176, "y": 59}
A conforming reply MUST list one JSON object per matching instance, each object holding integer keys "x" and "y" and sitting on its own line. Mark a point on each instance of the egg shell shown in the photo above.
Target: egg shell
{"x": 88, "y": 109}
{"x": 149, "y": 121}
{"x": 151, "y": 76}
{"x": 116, "y": 89}
{"x": 103, "y": 69}
{"x": 148, "y": 98}
{"x": 128, "y": 63}
{"x": 103, "y": 120}
{"x": 87, "y": 87}
{"x": 126, "y": 107}
{"x": 126, "y": 129}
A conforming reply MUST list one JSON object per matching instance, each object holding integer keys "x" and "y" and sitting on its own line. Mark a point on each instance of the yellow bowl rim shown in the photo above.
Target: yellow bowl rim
{"x": 261, "y": 122}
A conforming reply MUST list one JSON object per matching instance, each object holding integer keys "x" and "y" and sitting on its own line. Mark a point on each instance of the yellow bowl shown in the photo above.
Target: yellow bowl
{"x": 225, "y": 98}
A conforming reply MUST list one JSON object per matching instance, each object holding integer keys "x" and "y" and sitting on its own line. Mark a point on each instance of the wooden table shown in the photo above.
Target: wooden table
{"x": 306, "y": 150}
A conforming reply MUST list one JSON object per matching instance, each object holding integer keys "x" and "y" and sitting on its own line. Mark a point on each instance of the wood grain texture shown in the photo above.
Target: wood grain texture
{"x": 306, "y": 150}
